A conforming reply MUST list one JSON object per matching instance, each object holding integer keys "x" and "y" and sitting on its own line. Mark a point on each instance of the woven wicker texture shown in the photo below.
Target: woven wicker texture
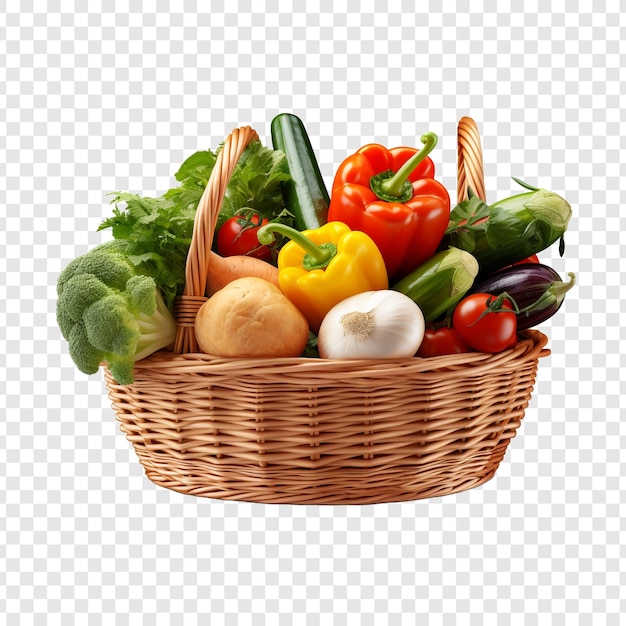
{"x": 196, "y": 282}
{"x": 312, "y": 431}
{"x": 469, "y": 160}
{"x": 309, "y": 431}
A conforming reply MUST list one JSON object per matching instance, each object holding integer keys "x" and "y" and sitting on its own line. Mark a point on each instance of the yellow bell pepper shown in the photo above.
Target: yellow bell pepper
{"x": 319, "y": 268}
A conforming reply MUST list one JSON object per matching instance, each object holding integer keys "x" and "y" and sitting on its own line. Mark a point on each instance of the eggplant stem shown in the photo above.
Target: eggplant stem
{"x": 553, "y": 295}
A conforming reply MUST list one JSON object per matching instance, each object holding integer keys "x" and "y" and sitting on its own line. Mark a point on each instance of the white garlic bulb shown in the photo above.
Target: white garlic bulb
{"x": 382, "y": 324}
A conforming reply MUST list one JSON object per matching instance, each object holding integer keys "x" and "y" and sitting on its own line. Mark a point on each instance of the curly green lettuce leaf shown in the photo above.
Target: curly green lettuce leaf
{"x": 158, "y": 234}
{"x": 158, "y": 230}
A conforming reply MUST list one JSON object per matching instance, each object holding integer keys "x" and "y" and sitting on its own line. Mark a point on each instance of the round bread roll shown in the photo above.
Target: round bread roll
{"x": 251, "y": 317}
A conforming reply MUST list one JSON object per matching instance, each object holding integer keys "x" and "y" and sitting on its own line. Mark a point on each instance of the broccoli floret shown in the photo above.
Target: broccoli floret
{"x": 122, "y": 370}
{"x": 80, "y": 291}
{"x": 86, "y": 357}
{"x": 111, "y": 324}
{"x": 141, "y": 293}
{"x": 64, "y": 322}
{"x": 111, "y": 267}
{"x": 109, "y": 313}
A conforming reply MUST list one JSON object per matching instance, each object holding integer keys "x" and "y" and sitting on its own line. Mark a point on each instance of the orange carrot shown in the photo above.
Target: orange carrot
{"x": 223, "y": 270}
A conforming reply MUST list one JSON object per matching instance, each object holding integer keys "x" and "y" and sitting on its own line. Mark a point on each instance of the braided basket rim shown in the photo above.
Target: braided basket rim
{"x": 531, "y": 346}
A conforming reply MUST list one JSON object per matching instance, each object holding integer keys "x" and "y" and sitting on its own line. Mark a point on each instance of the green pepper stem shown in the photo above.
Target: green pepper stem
{"x": 316, "y": 256}
{"x": 393, "y": 186}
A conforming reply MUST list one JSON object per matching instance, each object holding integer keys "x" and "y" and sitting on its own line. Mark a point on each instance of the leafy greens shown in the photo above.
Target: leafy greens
{"x": 157, "y": 231}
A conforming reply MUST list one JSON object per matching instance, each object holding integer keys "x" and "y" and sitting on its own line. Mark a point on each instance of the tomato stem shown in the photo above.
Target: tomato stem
{"x": 248, "y": 218}
{"x": 496, "y": 304}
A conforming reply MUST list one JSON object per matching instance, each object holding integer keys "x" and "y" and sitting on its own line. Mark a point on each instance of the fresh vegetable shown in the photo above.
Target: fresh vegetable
{"x": 251, "y": 318}
{"x": 224, "y": 270}
{"x": 110, "y": 313}
{"x": 156, "y": 234}
{"x": 508, "y": 230}
{"x": 440, "y": 282}
{"x": 466, "y": 280}
{"x": 372, "y": 325}
{"x": 392, "y": 196}
{"x": 237, "y": 236}
{"x": 305, "y": 193}
{"x": 319, "y": 268}
{"x": 158, "y": 230}
{"x": 485, "y": 322}
{"x": 533, "y": 258}
{"x": 256, "y": 182}
{"x": 440, "y": 341}
{"x": 536, "y": 288}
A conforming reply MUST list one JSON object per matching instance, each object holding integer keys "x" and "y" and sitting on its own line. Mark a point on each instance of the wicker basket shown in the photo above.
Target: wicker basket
{"x": 312, "y": 431}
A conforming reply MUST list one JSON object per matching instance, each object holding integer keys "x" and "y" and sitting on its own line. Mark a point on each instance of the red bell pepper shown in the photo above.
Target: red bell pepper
{"x": 392, "y": 196}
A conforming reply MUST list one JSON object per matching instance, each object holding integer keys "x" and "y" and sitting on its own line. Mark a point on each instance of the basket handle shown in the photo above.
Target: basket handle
{"x": 469, "y": 160}
{"x": 194, "y": 294}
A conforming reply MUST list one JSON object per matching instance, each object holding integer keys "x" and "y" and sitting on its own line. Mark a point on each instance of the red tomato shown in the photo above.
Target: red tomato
{"x": 444, "y": 340}
{"x": 533, "y": 258}
{"x": 238, "y": 236}
{"x": 483, "y": 326}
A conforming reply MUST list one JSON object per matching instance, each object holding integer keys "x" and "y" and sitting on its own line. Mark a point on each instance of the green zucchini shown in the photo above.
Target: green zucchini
{"x": 509, "y": 230}
{"x": 305, "y": 195}
{"x": 440, "y": 282}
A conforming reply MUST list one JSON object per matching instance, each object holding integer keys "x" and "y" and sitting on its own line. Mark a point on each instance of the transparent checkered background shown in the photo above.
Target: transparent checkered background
{"x": 114, "y": 98}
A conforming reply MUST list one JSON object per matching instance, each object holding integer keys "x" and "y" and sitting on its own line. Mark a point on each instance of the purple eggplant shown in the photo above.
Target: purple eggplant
{"x": 537, "y": 290}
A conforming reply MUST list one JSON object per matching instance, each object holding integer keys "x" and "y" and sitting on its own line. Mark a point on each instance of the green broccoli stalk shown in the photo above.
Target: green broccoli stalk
{"x": 110, "y": 313}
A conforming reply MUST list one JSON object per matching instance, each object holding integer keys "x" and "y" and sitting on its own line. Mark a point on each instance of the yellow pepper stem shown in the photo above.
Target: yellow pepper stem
{"x": 316, "y": 256}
